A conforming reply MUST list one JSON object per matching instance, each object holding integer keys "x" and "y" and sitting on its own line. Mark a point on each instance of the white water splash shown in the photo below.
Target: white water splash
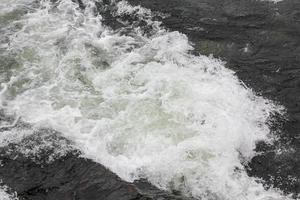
{"x": 4, "y": 195}
{"x": 142, "y": 106}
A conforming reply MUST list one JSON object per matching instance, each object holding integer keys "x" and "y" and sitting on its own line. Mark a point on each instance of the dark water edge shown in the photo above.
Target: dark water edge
{"x": 46, "y": 166}
{"x": 260, "y": 41}
{"x": 224, "y": 28}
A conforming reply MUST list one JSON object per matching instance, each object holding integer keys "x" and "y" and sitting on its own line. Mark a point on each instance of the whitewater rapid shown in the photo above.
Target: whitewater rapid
{"x": 140, "y": 104}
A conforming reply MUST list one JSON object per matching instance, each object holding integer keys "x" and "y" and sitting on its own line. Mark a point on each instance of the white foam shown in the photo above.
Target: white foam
{"x": 142, "y": 106}
{"x": 4, "y": 195}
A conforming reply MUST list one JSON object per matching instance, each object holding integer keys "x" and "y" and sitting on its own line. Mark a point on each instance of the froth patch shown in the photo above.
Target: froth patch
{"x": 43, "y": 146}
{"x": 6, "y": 195}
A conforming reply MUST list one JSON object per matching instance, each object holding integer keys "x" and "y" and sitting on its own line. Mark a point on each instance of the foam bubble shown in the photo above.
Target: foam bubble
{"x": 4, "y": 195}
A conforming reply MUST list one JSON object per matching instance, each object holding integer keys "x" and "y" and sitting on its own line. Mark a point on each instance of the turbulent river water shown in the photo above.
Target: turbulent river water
{"x": 137, "y": 102}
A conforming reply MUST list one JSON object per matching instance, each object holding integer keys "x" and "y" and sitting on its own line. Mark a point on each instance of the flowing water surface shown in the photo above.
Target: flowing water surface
{"x": 138, "y": 103}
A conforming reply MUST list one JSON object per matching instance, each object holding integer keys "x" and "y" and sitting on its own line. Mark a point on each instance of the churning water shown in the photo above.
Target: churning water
{"x": 138, "y": 103}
